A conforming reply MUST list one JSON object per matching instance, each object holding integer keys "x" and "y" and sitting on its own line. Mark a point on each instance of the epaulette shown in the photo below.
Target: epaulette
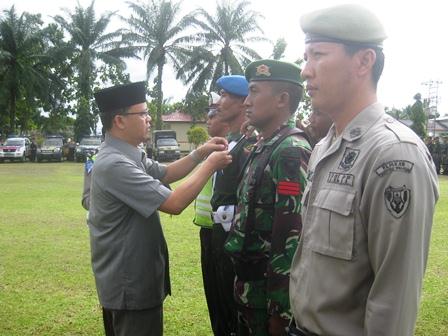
{"x": 402, "y": 132}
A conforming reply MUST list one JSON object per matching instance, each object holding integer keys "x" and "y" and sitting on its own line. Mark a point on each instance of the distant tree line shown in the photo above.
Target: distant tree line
{"x": 56, "y": 68}
{"x": 417, "y": 113}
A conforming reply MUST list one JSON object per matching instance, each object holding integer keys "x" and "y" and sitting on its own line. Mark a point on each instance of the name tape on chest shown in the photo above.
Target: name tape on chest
{"x": 340, "y": 178}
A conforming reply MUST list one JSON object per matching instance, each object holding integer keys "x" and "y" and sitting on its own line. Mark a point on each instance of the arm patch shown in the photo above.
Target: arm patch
{"x": 288, "y": 188}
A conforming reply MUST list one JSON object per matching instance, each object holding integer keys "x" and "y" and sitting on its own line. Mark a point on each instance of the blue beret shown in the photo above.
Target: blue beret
{"x": 234, "y": 84}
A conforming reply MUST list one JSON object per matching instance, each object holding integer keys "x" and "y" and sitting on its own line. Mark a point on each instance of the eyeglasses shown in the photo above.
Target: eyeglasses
{"x": 141, "y": 114}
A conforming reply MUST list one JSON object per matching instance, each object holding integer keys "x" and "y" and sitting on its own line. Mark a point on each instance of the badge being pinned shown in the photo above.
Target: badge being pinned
{"x": 263, "y": 70}
{"x": 288, "y": 188}
{"x": 397, "y": 200}
{"x": 89, "y": 166}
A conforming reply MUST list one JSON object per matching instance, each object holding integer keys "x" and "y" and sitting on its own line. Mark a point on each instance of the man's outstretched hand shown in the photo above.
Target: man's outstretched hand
{"x": 215, "y": 144}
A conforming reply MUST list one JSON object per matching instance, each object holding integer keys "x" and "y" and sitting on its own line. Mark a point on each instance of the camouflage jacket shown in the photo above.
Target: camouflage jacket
{"x": 272, "y": 242}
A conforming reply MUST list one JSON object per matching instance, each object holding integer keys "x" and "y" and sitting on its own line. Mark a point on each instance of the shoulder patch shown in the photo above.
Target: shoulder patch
{"x": 397, "y": 200}
{"x": 395, "y": 165}
{"x": 288, "y": 188}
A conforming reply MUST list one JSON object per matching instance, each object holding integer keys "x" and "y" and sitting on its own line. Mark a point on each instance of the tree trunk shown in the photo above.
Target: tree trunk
{"x": 159, "y": 95}
{"x": 85, "y": 124}
{"x": 226, "y": 60}
{"x": 12, "y": 110}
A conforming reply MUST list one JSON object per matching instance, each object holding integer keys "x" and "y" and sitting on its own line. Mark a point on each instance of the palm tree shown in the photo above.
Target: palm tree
{"x": 223, "y": 44}
{"x": 22, "y": 71}
{"x": 90, "y": 45}
{"x": 157, "y": 30}
{"x": 278, "y": 52}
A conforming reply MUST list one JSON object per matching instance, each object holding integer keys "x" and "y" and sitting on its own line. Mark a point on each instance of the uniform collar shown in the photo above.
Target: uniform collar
{"x": 133, "y": 153}
{"x": 233, "y": 136}
{"x": 355, "y": 129}
{"x": 362, "y": 122}
{"x": 271, "y": 140}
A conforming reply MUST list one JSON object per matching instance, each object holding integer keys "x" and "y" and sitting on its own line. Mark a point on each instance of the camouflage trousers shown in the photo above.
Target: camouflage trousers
{"x": 252, "y": 321}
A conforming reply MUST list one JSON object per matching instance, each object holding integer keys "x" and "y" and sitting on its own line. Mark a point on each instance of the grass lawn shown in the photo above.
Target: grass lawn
{"x": 46, "y": 283}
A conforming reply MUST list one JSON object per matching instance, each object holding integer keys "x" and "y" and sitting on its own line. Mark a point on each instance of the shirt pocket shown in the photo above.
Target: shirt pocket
{"x": 334, "y": 224}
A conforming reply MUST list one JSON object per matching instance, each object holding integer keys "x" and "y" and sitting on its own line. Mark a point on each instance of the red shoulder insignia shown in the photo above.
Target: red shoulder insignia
{"x": 288, "y": 188}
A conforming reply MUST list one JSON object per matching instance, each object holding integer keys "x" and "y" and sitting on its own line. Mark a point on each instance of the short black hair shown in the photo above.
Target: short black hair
{"x": 294, "y": 91}
{"x": 107, "y": 118}
{"x": 378, "y": 67}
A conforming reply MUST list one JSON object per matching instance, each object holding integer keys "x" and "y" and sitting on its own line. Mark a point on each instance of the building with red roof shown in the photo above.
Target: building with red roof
{"x": 181, "y": 122}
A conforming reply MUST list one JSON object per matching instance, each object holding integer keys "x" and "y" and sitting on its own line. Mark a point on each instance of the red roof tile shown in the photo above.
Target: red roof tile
{"x": 177, "y": 116}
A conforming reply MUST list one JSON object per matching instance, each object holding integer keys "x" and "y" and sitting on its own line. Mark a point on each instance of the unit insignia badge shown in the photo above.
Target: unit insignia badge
{"x": 397, "y": 200}
{"x": 348, "y": 159}
{"x": 263, "y": 70}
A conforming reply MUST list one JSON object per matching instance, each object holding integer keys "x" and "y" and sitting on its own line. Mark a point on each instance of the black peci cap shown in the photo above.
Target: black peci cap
{"x": 120, "y": 96}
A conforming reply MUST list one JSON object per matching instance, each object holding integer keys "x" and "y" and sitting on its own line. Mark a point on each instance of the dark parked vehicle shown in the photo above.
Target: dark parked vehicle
{"x": 88, "y": 146}
{"x": 165, "y": 146}
{"x": 15, "y": 149}
{"x": 51, "y": 149}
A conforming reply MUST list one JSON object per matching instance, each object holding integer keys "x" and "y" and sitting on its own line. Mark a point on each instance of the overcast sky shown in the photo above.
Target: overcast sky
{"x": 416, "y": 50}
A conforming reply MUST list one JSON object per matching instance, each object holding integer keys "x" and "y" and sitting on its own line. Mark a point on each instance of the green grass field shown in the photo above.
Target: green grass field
{"x": 46, "y": 284}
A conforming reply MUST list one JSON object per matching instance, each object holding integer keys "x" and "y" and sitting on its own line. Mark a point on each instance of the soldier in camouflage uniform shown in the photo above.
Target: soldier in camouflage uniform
{"x": 267, "y": 225}
{"x": 444, "y": 156}
{"x": 436, "y": 149}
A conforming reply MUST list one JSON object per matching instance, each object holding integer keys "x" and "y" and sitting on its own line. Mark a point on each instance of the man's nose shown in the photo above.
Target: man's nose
{"x": 305, "y": 73}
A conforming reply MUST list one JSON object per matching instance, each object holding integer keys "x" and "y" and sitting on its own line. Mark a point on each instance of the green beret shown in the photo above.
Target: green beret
{"x": 272, "y": 70}
{"x": 346, "y": 24}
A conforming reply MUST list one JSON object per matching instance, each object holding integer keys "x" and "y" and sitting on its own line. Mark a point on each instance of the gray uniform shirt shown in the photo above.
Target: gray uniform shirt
{"x": 129, "y": 252}
{"x": 367, "y": 214}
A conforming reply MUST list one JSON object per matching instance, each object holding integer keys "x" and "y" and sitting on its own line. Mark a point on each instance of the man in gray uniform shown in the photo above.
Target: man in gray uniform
{"x": 368, "y": 207}
{"x": 129, "y": 252}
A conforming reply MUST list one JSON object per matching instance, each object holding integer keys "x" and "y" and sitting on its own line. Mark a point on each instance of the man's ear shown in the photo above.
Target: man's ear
{"x": 283, "y": 100}
{"x": 119, "y": 122}
{"x": 366, "y": 60}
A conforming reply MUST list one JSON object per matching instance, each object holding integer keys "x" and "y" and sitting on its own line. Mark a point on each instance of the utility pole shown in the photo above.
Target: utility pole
{"x": 432, "y": 101}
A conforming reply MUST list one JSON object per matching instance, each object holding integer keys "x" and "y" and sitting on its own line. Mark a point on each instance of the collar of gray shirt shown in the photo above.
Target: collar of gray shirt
{"x": 133, "y": 153}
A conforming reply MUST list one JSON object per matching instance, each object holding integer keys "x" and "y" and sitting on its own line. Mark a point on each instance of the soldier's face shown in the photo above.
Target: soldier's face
{"x": 230, "y": 107}
{"x": 260, "y": 104}
{"x": 330, "y": 76}
{"x": 216, "y": 127}
{"x": 320, "y": 123}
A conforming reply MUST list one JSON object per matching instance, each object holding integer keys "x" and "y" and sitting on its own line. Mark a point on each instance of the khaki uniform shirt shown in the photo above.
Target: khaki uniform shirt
{"x": 367, "y": 215}
{"x": 129, "y": 252}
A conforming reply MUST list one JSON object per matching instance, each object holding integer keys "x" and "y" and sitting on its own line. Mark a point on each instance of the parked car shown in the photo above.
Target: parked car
{"x": 51, "y": 149}
{"x": 18, "y": 149}
{"x": 88, "y": 146}
{"x": 165, "y": 146}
